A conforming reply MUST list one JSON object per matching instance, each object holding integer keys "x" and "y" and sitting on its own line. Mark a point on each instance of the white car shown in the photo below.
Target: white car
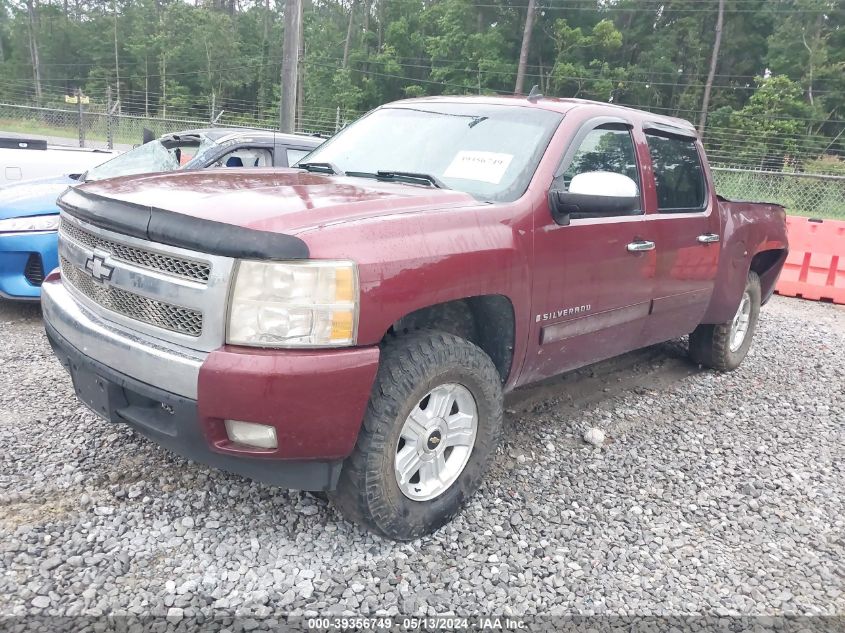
{"x": 26, "y": 159}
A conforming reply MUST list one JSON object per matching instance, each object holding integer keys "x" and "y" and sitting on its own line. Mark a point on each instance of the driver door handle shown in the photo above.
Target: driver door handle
{"x": 640, "y": 246}
{"x": 708, "y": 238}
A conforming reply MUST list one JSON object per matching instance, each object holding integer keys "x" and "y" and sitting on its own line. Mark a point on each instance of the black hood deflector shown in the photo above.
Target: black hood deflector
{"x": 182, "y": 231}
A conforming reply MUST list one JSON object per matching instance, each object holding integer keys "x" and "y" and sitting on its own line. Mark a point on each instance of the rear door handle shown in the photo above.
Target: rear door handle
{"x": 640, "y": 246}
{"x": 708, "y": 238}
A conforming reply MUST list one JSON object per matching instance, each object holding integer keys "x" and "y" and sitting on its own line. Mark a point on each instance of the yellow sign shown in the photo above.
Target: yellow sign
{"x": 74, "y": 99}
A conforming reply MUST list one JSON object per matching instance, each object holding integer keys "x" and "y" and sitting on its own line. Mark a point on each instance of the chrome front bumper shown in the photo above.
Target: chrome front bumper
{"x": 148, "y": 360}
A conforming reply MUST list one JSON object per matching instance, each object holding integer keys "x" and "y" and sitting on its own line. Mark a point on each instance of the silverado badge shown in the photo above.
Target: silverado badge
{"x": 557, "y": 314}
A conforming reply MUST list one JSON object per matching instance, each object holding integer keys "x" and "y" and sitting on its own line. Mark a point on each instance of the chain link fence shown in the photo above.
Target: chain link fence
{"x": 814, "y": 195}
{"x": 94, "y": 128}
{"x": 97, "y": 125}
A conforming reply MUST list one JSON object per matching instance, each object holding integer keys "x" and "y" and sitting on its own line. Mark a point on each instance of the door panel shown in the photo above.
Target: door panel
{"x": 591, "y": 295}
{"x": 686, "y": 273}
{"x": 685, "y": 212}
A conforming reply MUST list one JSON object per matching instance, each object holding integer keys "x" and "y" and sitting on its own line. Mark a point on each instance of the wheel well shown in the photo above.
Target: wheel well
{"x": 767, "y": 265}
{"x": 763, "y": 261}
{"x": 486, "y": 321}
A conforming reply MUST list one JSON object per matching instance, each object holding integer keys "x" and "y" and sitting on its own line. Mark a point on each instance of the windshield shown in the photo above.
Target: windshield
{"x": 487, "y": 151}
{"x": 167, "y": 154}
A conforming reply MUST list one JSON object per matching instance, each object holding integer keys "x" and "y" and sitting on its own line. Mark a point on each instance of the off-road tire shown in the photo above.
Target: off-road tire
{"x": 709, "y": 345}
{"x": 411, "y": 365}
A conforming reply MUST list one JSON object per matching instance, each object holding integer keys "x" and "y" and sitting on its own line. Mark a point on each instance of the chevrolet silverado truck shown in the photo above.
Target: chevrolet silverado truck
{"x": 29, "y": 217}
{"x": 351, "y": 325}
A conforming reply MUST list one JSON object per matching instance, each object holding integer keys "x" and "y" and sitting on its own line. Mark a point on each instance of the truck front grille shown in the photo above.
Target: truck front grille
{"x": 168, "y": 264}
{"x": 156, "y": 313}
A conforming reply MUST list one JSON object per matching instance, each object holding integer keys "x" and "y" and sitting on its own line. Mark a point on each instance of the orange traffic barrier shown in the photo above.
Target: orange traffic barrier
{"x": 815, "y": 267}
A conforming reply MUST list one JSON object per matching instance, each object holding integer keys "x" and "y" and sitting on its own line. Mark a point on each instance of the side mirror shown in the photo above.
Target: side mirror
{"x": 595, "y": 194}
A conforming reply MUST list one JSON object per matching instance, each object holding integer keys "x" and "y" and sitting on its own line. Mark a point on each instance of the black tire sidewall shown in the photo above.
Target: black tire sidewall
{"x": 709, "y": 344}
{"x": 410, "y": 366}
{"x": 752, "y": 287}
{"x": 431, "y": 514}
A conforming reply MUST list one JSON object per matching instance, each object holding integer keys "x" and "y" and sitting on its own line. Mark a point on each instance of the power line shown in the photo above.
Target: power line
{"x": 552, "y": 74}
{"x": 433, "y": 65}
{"x": 655, "y": 11}
{"x": 428, "y": 61}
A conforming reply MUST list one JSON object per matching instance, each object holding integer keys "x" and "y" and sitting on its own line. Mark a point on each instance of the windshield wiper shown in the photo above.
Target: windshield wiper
{"x": 411, "y": 176}
{"x": 402, "y": 176}
{"x": 320, "y": 168}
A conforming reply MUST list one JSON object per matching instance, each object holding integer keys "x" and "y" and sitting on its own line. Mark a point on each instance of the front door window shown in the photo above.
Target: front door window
{"x": 604, "y": 149}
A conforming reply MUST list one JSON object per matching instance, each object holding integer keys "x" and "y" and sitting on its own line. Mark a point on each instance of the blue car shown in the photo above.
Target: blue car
{"x": 28, "y": 242}
{"x": 29, "y": 219}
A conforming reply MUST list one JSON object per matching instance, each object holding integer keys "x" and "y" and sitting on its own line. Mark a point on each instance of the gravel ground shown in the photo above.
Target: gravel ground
{"x": 713, "y": 494}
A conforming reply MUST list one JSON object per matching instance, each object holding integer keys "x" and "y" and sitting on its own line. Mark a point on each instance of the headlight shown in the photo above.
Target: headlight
{"x": 32, "y": 223}
{"x": 294, "y": 304}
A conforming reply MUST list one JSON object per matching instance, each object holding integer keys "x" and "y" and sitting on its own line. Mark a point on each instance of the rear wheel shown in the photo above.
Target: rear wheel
{"x": 725, "y": 345}
{"x": 433, "y": 421}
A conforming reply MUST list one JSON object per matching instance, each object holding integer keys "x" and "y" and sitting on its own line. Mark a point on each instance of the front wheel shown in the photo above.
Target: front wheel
{"x": 725, "y": 345}
{"x": 433, "y": 422}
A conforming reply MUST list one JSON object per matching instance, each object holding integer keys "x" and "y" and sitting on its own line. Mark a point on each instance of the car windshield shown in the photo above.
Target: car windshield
{"x": 167, "y": 154}
{"x": 487, "y": 151}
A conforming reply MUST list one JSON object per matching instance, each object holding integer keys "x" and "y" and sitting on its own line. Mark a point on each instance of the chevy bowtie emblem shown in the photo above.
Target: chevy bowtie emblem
{"x": 433, "y": 440}
{"x": 96, "y": 265}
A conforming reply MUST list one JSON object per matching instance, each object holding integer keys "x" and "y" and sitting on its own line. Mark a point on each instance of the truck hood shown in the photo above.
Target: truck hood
{"x": 32, "y": 197}
{"x": 275, "y": 200}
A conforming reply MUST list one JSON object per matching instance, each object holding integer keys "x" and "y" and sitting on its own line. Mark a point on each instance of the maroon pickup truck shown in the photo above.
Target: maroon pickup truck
{"x": 351, "y": 325}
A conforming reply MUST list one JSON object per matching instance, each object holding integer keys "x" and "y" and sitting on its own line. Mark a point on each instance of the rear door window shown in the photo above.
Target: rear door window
{"x": 678, "y": 174}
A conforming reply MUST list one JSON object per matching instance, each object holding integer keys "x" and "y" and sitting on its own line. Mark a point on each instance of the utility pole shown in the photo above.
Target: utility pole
{"x": 116, "y": 58}
{"x": 146, "y": 88}
{"x": 290, "y": 64}
{"x": 80, "y": 116}
{"x": 526, "y": 44}
{"x": 109, "y": 136}
{"x": 2, "y": 52}
{"x": 348, "y": 35}
{"x": 164, "y": 85}
{"x": 300, "y": 82}
{"x": 714, "y": 58}
{"x": 33, "y": 50}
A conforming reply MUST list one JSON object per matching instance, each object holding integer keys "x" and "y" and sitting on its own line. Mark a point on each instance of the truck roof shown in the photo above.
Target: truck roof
{"x": 563, "y": 106}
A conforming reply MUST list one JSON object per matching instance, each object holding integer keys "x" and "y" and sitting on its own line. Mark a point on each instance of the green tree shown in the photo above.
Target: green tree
{"x": 772, "y": 126}
{"x": 179, "y": 58}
